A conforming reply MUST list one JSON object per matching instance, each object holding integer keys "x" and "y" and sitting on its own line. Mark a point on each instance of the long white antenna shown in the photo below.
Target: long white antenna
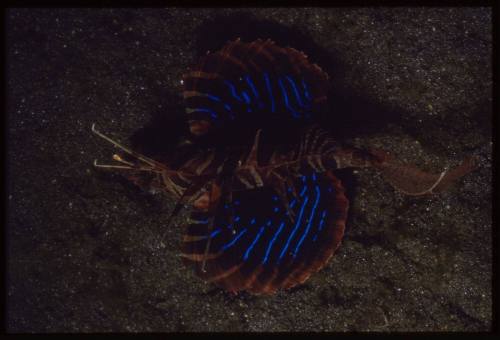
{"x": 143, "y": 158}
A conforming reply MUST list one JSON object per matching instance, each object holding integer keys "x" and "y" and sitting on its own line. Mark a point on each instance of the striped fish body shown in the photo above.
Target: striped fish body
{"x": 272, "y": 164}
{"x": 264, "y": 216}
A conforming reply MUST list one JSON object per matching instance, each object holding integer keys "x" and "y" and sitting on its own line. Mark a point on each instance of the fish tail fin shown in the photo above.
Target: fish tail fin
{"x": 413, "y": 181}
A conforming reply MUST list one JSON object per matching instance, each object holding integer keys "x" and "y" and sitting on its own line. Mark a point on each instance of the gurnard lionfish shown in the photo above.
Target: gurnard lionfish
{"x": 267, "y": 215}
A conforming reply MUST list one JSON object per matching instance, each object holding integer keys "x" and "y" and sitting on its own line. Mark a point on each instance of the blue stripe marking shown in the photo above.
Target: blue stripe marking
{"x": 292, "y": 82}
{"x": 306, "y": 91}
{"x": 323, "y": 215}
{"x": 233, "y": 241}
{"x": 252, "y": 86}
{"x": 247, "y": 98}
{"x": 252, "y": 221}
{"x": 268, "y": 85}
{"x": 320, "y": 225}
{"x": 233, "y": 90}
{"x": 294, "y": 230}
{"x": 214, "y": 233}
{"x": 236, "y": 219}
{"x": 249, "y": 250}
{"x": 311, "y": 217}
{"x": 214, "y": 98}
{"x": 276, "y": 209}
{"x": 303, "y": 179}
{"x": 303, "y": 191}
{"x": 314, "y": 176}
{"x": 228, "y": 109}
{"x": 285, "y": 97}
{"x": 292, "y": 203}
{"x": 212, "y": 113}
{"x": 269, "y": 247}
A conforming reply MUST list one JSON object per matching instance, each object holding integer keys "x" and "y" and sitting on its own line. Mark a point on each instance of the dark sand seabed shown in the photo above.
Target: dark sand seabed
{"x": 84, "y": 253}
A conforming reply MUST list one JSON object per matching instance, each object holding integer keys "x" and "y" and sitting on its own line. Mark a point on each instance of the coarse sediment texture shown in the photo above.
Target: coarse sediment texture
{"x": 85, "y": 249}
